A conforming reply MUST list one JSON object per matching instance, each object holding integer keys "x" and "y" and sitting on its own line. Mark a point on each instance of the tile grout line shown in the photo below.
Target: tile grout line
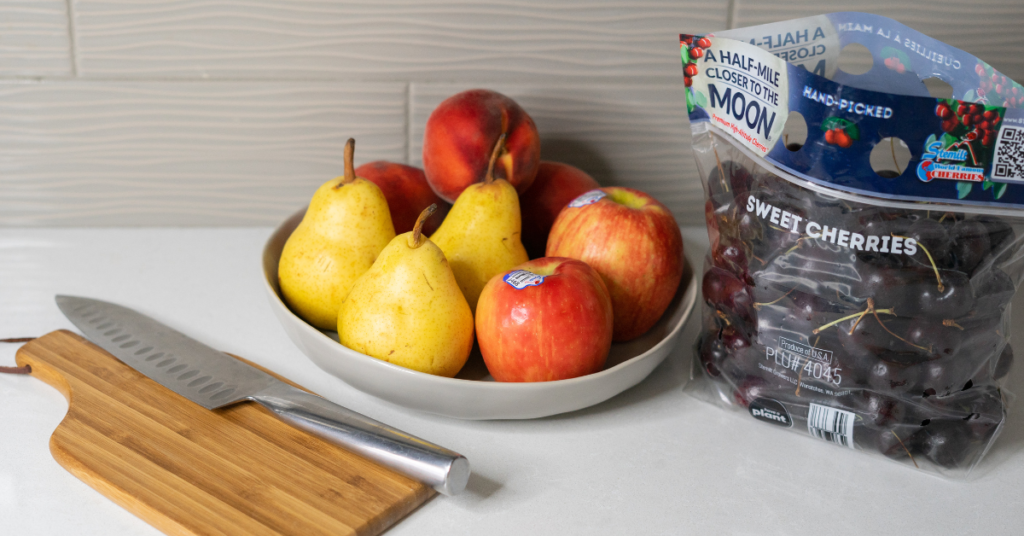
{"x": 72, "y": 39}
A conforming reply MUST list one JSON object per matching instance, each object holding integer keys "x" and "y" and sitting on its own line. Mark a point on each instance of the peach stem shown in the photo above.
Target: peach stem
{"x": 499, "y": 147}
{"x": 417, "y": 240}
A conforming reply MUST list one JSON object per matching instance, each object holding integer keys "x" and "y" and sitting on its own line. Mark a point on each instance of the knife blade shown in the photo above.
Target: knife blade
{"x": 214, "y": 379}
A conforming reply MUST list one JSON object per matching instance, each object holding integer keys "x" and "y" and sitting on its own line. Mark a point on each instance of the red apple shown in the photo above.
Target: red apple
{"x": 407, "y": 192}
{"x": 633, "y": 241}
{"x": 461, "y": 134}
{"x": 547, "y": 319}
{"x": 553, "y": 187}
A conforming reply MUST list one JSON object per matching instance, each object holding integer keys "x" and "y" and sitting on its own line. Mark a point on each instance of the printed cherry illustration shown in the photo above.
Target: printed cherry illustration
{"x": 843, "y": 139}
{"x": 895, "y": 64}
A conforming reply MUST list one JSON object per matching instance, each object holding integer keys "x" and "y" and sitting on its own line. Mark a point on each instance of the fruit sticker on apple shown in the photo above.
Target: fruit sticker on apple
{"x": 588, "y": 198}
{"x": 521, "y": 279}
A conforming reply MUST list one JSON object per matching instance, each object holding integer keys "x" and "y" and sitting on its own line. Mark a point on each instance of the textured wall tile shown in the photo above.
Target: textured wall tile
{"x": 34, "y": 38}
{"x": 621, "y": 134}
{"x": 217, "y": 153}
{"x": 393, "y": 39}
{"x": 989, "y": 29}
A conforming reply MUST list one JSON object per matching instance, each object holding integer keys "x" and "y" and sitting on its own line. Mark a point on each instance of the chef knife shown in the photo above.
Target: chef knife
{"x": 214, "y": 379}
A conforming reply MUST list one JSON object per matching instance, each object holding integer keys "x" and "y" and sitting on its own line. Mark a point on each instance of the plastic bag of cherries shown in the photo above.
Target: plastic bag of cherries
{"x": 866, "y": 237}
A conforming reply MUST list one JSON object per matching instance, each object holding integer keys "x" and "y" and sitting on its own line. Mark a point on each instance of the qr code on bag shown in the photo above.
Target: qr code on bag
{"x": 1009, "y": 160}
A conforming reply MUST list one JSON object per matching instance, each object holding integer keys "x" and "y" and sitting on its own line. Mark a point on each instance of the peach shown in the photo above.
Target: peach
{"x": 555, "y": 185}
{"x": 407, "y": 192}
{"x": 461, "y": 134}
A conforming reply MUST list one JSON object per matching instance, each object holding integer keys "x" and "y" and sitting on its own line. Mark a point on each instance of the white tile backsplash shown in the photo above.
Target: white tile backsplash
{"x": 187, "y": 112}
{"x": 184, "y": 153}
{"x": 394, "y": 39}
{"x": 34, "y": 38}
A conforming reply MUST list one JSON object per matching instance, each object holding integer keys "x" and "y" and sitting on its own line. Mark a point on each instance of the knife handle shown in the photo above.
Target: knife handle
{"x": 442, "y": 469}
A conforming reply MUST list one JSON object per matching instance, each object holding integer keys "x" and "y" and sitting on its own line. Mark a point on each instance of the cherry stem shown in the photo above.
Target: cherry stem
{"x": 905, "y": 448}
{"x": 798, "y": 243}
{"x": 870, "y": 309}
{"x": 721, "y": 172}
{"x": 499, "y": 148}
{"x": 859, "y": 318}
{"x": 417, "y": 240}
{"x": 724, "y": 317}
{"x": 350, "y": 170}
{"x": 871, "y": 305}
{"x": 950, "y": 323}
{"x": 773, "y": 302}
{"x": 931, "y": 260}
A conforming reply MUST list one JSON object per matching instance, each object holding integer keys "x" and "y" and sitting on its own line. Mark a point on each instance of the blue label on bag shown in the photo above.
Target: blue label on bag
{"x": 969, "y": 149}
{"x": 588, "y": 198}
{"x": 521, "y": 279}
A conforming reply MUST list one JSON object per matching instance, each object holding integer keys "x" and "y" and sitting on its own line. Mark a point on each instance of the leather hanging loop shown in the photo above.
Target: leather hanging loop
{"x": 17, "y": 370}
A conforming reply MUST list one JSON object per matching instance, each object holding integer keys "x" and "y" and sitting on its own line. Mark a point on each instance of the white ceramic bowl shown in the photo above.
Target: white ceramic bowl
{"x": 473, "y": 394}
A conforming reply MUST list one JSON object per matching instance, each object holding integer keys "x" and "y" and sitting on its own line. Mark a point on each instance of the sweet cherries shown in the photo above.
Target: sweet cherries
{"x": 852, "y": 293}
{"x": 910, "y": 341}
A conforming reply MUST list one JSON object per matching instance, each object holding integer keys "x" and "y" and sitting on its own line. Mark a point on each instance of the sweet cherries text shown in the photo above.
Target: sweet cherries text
{"x": 840, "y": 237}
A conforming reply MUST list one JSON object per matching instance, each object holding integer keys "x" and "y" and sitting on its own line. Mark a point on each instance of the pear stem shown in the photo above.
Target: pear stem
{"x": 417, "y": 240}
{"x": 499, "y": 147}
{"x": 350, "y": 170}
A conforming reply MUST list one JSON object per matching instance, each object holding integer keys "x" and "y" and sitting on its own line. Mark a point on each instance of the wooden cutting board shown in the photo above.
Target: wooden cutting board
{"x": 188, "y": 470}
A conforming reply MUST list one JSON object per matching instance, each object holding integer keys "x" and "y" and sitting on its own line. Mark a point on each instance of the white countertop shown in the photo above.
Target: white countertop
{"x": 652, "y": 460}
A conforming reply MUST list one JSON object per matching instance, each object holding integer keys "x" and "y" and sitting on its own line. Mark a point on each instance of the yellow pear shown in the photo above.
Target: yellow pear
{"x": 482, "y": 234}
{"x": 408, "y": 309}
{"x": 345, "y": 227}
